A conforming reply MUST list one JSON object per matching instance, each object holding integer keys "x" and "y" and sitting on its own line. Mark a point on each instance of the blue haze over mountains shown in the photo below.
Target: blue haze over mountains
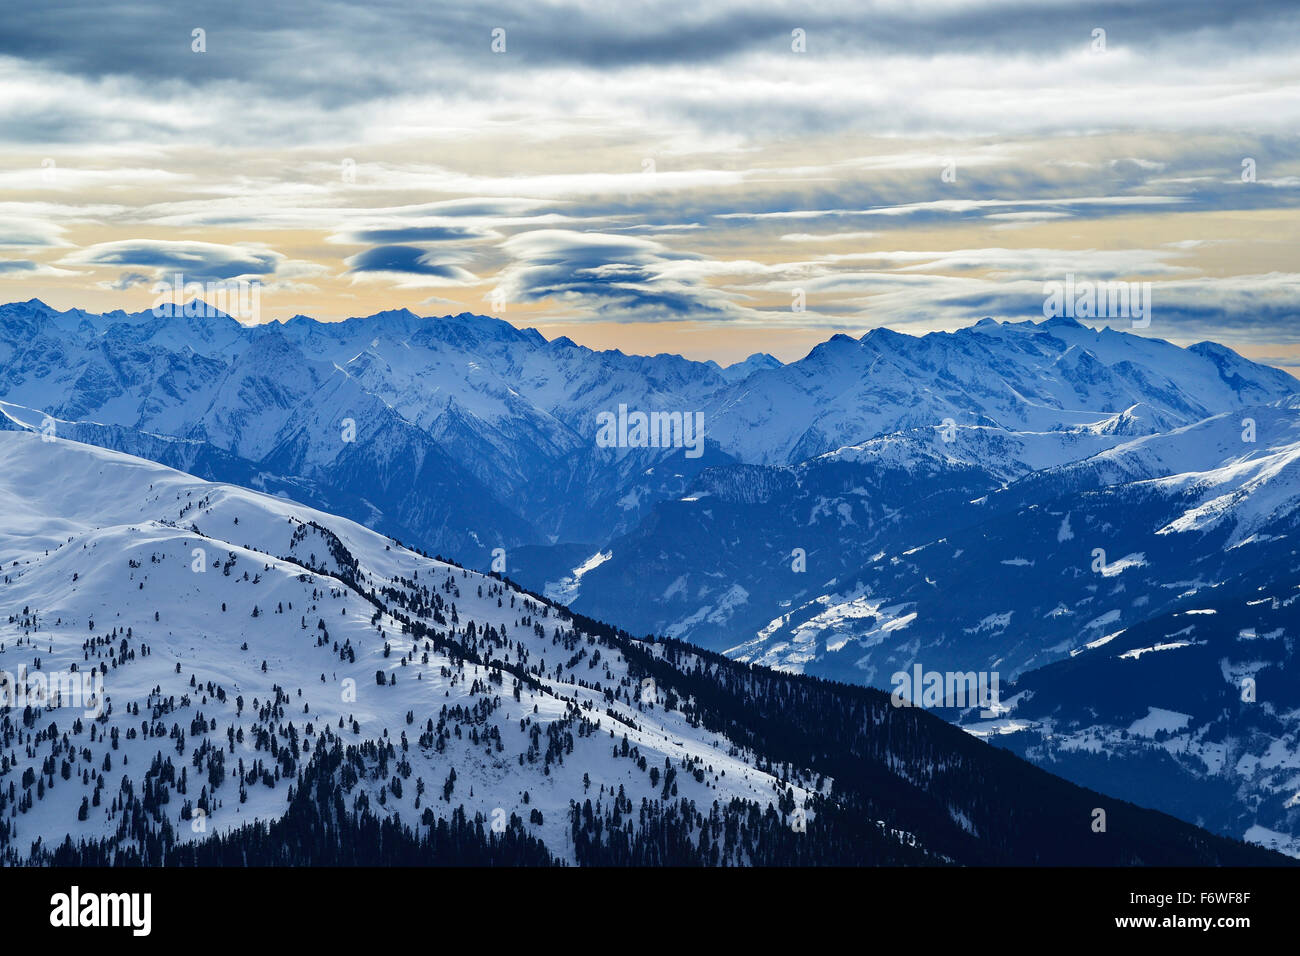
{"x": 947, "y": 493}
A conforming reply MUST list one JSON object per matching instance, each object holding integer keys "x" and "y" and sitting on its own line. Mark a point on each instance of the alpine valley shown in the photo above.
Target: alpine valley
{"x": 233, "y": 525}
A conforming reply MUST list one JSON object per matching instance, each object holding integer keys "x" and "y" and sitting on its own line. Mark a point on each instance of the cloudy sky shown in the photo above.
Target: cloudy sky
{"x": 703, "y": 177}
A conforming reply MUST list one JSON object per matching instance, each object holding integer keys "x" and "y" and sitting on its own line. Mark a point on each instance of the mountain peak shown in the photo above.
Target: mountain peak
{"x": 402, "y": 313}
{"x": 196, "y": 308}
{"x": 884, "y": 332}
{"x": 1062, "y": 322}
{"x": 837, "y": 344}
{"x": 757, "y": 362}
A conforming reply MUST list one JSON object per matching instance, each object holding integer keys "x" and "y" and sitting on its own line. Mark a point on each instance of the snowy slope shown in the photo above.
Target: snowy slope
{"x": 95, "y": 543}
{"x": 241, "y": 636}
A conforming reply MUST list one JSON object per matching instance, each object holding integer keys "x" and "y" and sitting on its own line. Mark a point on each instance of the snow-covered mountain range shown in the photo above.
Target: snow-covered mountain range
{"x": 360, "y": 415}
{"x": 365, "y": 416}
{"x": 272, "y": 683}
{"x": 1016, "y": 497}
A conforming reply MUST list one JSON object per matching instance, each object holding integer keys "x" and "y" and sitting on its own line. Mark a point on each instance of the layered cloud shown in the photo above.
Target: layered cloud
{"x": 407, "y": 265}
{"x": 756, "y": 166}
{"x": 200, "y": 261}
{"x": 608, "y": 274}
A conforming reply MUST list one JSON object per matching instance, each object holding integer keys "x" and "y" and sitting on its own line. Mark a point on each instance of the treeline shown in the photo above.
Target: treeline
{"x": 735, "y": 833}
{"x": 317, "y": 830}
{"x": 964, "y": 800}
